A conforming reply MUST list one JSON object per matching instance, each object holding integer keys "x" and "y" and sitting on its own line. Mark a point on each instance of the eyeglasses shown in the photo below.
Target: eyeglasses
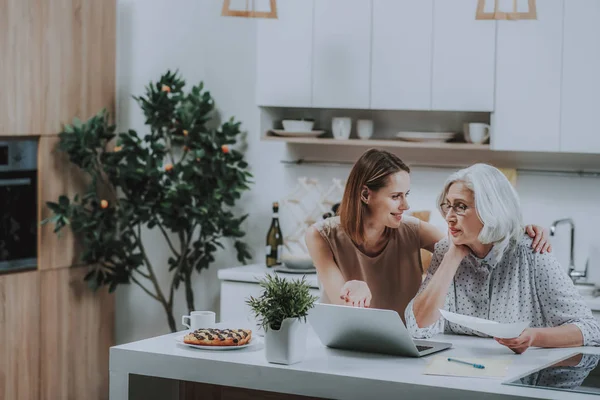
{"x": 459, "y": 209}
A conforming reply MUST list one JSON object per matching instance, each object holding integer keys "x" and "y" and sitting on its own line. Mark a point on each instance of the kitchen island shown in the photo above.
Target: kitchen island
{"x": 328, "y": 373}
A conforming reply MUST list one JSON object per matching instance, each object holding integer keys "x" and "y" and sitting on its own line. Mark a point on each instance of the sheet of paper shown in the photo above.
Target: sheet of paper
{"x": 494, "y": 367}
{"x": 492, "y": 328}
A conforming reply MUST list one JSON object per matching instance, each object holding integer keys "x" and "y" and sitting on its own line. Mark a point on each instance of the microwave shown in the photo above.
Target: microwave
{"x": 18, "y": 205}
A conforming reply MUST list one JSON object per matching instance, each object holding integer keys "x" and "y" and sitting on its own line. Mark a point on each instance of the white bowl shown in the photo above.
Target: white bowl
{"x": 292, "y": 261}
{"x": 292, "y": 125}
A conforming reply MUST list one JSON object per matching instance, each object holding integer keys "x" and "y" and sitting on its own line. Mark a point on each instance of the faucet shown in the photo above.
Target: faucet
{"x": 573, "y": 274}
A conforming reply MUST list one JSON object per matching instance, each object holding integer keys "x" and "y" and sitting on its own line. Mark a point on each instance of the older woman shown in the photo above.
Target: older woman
{"x": 487, "y": 269}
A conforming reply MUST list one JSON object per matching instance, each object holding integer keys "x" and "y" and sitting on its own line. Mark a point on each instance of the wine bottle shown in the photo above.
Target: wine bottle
{"x": 274, "y": 239}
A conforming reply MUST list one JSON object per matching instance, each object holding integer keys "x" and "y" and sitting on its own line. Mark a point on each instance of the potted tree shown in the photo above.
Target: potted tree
{"x": 182, "y": 177}
{"x": 281, "y": 311}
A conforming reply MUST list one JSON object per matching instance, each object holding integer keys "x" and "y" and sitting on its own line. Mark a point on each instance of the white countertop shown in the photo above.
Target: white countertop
{"x": 593, "y": 302}
{"x": 253, "y": 273}
{"x": 331, "y": 373}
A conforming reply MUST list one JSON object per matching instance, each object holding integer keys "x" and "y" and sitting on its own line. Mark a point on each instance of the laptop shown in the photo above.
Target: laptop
{"x": 369, "y": 330}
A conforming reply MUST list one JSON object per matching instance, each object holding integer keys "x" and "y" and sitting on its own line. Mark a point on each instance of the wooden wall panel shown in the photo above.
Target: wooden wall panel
{"x": 20, "y": 67}
{"x": 57, "y": 176}
{"x": 19, "y": 335}
{"x": 78, "y": 332}
{"x": 57, "y": 62}
{"x": 78, "y": 62}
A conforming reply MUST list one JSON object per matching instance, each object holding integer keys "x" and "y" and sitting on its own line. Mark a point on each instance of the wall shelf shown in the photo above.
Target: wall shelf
{"x": 378, "y": 143}
{"x": 388, "y": 123}
{"x": 447, "y": 155}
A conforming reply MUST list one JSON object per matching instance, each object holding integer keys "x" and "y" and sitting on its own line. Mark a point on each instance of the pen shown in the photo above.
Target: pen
{"x": 468, "y": 363}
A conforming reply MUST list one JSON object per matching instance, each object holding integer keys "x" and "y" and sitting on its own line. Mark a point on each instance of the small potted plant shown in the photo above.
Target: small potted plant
{"x": 281, "y": 311}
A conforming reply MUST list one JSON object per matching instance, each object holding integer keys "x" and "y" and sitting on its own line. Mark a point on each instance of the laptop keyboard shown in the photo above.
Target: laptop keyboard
{"x": 423, "y": 348}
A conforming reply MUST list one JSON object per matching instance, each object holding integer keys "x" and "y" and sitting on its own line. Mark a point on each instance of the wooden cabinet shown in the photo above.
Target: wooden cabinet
{"x": 58, "y": 62}
{"x": 57, "y": 176}
{"x": 528, "y": 75}
{"x": 341, "y": 54}
{"x": 401, "y": 54}
{"x": 78, "y": 330}
{"x": 580, "y": 131}
{"x": 21, "y": 37}
{"x": 20, "y": 336}
{"x": 464, "y": 57}
{"x": 78, "y": 60}
{"x": 55, "y": 335}
{"x": 284, "y": 56}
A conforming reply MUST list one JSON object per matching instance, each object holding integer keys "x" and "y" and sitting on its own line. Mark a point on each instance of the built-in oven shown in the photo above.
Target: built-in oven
{"x": 18, "y": 205}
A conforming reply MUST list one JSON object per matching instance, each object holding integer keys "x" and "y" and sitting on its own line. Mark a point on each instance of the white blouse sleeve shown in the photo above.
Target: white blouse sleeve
{"x": 561, "y": 302}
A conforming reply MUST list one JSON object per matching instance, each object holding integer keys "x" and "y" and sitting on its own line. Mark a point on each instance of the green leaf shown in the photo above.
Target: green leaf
{"x": 63, "y": 201}
{"x": 281, "y": 299}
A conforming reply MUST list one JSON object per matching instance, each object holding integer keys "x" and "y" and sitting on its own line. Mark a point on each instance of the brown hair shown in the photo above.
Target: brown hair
{"x": 371, "y": 170}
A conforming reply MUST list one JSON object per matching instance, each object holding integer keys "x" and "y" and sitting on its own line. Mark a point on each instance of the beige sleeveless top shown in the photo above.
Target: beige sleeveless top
{"x": 393, "y": 276}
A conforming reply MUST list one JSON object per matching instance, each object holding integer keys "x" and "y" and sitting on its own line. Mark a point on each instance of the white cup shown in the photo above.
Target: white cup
{"x": 199, "y": 320}
{"x": 477, "y": 132}
{"x": 341, "y": 127}
{"x": 364, "y": 128}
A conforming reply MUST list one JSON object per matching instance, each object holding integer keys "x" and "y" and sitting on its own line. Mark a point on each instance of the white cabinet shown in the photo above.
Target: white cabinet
{"x": 401, "y": 54}
{"x": 580, "y": 131}
{"x": 341, "y": 53}
{"x": 284, "y": 56}
{"x": 464, "y": 51}
{"x": 528, "y": 75}
{"x": 239, "y": 283}
{"x": 233, "y": 301}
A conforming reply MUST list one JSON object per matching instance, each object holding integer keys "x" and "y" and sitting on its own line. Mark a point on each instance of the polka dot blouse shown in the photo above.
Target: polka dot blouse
{"x": 519, "y": 285}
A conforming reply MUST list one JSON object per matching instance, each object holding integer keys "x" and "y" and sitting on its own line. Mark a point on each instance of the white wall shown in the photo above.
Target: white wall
{"x": 190, "y": 35}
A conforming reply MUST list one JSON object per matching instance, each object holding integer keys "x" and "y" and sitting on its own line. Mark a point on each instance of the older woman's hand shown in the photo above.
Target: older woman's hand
{"x": 356, "y": 294}
{"x": 540, "y": 241}
{"x": 520, "y": 344}
{"x": 457, "y": 252}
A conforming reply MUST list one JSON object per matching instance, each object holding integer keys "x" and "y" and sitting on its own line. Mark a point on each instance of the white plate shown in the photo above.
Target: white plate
{"x": 286, "y": 270}
{"x": 281, "y": 132}
{"x": 253, "y": 342}
{"x": 425, "y": 136}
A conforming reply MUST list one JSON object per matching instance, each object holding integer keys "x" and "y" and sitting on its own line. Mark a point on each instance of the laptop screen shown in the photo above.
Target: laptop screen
{"x": 579, "y": 373}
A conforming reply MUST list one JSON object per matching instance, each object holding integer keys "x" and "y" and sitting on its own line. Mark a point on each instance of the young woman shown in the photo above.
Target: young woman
{"x": 369, "y": 255}
{"x": 486, "y": 269}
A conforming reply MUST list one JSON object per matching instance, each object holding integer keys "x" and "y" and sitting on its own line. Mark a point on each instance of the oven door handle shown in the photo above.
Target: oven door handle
{"x": 15, "y": 182}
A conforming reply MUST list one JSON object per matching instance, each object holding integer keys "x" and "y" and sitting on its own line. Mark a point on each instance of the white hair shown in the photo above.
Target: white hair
{"x": 496, "y": 202}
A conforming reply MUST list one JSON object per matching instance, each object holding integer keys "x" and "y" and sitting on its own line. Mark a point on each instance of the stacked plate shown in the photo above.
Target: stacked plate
{"x": 425, "y": 136}
{"x": 282, "y": 132}
{"x": 296, "y": 264}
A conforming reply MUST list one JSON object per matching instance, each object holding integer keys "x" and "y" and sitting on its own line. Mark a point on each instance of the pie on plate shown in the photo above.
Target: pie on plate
{"x": 218, "y": 337}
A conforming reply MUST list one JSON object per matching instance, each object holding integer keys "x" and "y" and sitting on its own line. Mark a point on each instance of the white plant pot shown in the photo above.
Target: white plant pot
{"x": 288, "y": 344}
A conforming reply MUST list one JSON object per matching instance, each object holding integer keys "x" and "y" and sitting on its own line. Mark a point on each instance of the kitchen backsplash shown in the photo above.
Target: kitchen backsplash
{"x": 545, "y": 197}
